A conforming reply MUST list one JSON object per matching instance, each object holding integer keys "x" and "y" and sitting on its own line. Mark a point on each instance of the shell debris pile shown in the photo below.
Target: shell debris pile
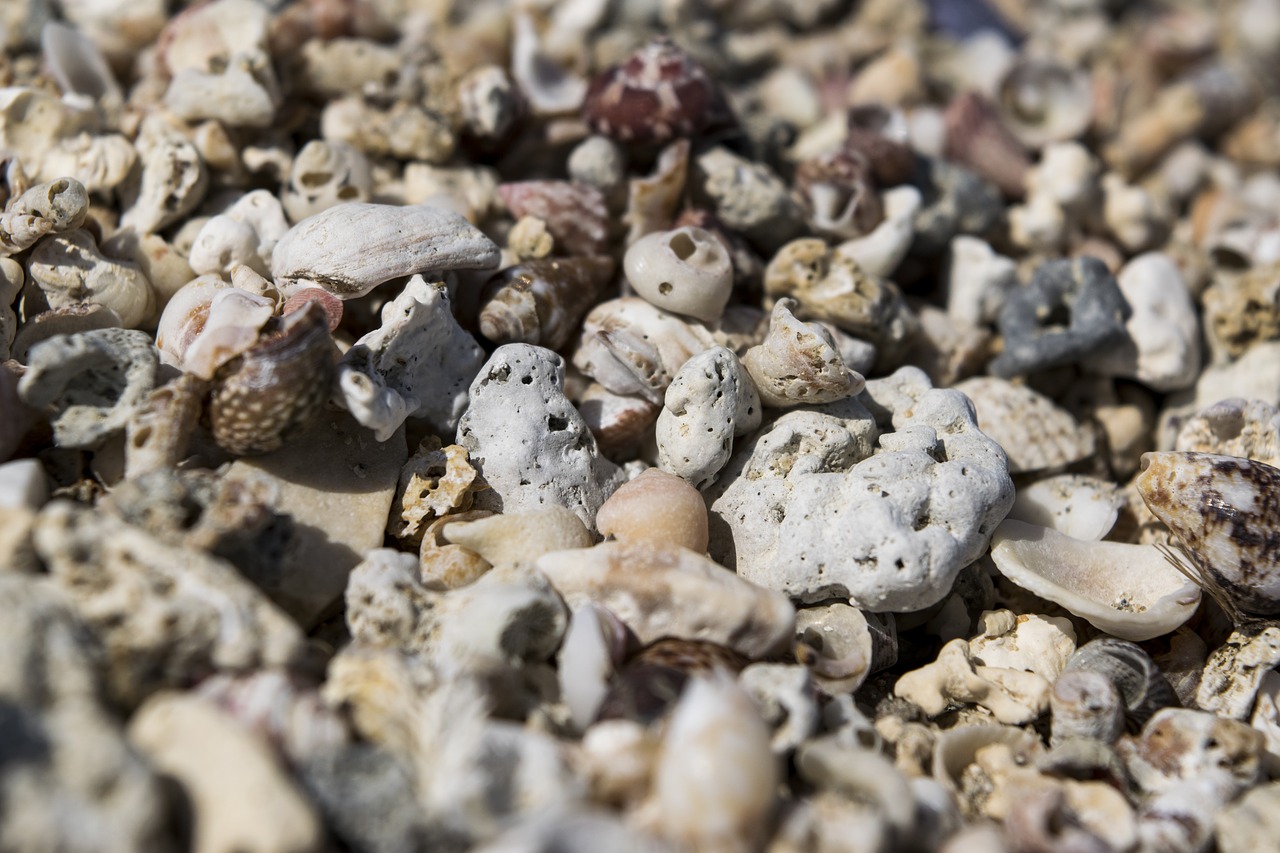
{"x": 752, "y": 426}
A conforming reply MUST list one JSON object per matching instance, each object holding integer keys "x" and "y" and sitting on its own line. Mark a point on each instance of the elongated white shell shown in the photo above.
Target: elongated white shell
{"x": 1129, "y": 591}
{"x": 351, "y": 248}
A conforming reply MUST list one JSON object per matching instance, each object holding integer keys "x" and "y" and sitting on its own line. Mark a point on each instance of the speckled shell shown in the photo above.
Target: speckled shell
{"x": 658, "y": 94}
{"x": 278, "y": 384}
{"x": 541, "y": 302}
{"x": 1226, "y": 512}
{"x": 1141, "y": 684}
{"x": 1037, "y": 435}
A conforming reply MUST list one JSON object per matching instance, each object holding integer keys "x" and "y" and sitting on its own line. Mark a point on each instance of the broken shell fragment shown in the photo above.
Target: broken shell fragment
{"x": 798, "y": 363}
{"x": 576, "y": 215}
{"x": 351, "y": 248}
{"x": 1225, "y": 511}
{"x": 277, "y": 385}
{"x": 1130, "y": 591}
{"x": 1078, "y": 506}
{"x": 71, "y": 270}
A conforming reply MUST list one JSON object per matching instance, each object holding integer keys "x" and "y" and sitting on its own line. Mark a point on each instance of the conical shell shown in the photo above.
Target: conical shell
{"x": 541, "y": 302}
{"x": 1226, "y": 512}
{"x": 1140, "y": 683}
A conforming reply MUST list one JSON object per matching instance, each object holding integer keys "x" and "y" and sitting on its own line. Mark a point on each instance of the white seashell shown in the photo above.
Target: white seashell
{"x": 246, "y": 233}
{"x": 797, "y": 364}
{"x": 685, "y": 271}
{"x": 652, "y": 201}
{"x": 70, "y": 270}
{"x": 173, "y": 178}
{"x": 231, "y": 327}
{"x": 880, "y": 252}
{"x": 785, "y": 696}
{"x": 32, "y": 122}
{"x": 1029, "y": 642}
{"x": 592, "y": 650}
{"x": 1075, "y": 505}
{"x": 418, "y": 363}
{"x": 715, "y": 776}
{"x": 184, "y": 317}
{"x": 632, "y": 347}
{"x": 325, "y": 173}
{"x": 1130, "y": 591}
{"x": 550, "y": 88}
{"x": 351, "y": 248}
{"x": 1036, "y": 434}
{"x": 1043, "y": 101}
{"x": 845, "y": 648}
{"x": 1012, "y": 696}
{"x": 52, "y": 207}
{"x": 79, "y": 68}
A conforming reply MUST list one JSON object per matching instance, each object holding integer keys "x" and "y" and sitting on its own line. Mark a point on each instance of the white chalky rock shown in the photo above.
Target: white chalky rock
{"x": 880, "y": 252}
{"x": 528, "y": 441}
{"x": 417, "y": 364}
{"x": 661, "y": 590}
{"x": 245, "y": 233}
{"x": 889, "y": 532}
{"x": 977, "y": 281}
{"x": 1163, "y": 350}
{"x": 711, "y": 400}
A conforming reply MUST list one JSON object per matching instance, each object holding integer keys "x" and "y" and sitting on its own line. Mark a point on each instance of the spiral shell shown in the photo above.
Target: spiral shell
{"x": 1140, "y": 683}
{"x": 541, "y": 302}
{"x": 277, "y": 385}
{"x": 1043, "y": 102}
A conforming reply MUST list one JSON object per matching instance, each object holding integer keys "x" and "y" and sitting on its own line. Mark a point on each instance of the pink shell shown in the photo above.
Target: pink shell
{"x": 331, "y": 304}
{"x": 976, "y": 138}
{"x": 576, "y": 214}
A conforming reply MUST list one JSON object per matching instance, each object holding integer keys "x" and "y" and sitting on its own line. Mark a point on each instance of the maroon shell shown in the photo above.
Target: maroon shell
{"x": 660, "y": 93}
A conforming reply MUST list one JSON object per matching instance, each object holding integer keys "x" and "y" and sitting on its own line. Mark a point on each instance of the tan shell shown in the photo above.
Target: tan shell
{"x": 652, "y": 201}
{"x": 798, "y": 364}
{"x": 1036, "y": 434}
{"x": 655, "y": 507}
{"x": 541, "y": 302}
{"x": 351, "y": 248}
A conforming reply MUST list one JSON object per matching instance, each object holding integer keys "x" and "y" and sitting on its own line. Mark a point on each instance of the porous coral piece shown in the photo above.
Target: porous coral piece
{"x": 1011, "y": 696}
{"x": 926, "y": 502}
{"x": 797, "y": 363}
{"x": 435, "y": 482}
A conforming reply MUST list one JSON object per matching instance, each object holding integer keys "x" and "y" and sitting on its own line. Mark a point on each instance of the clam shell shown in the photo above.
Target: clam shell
{"x": 1072, "y": 504}
{"x": 349, "y": 249}
{"x": 1130, "y": 591}
{"x": 277, "y": 385}
{"x": 1226, "y": 512}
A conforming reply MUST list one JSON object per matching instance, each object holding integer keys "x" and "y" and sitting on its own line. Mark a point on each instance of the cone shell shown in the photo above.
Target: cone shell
{"x": 280, "y": 383}
{"x": 541, "y": 302}
{"x": 1226, "y": 512}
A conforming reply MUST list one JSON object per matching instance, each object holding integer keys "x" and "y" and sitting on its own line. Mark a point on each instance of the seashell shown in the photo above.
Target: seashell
{"x": 549, "y": 88}
{"x": 787, "y": 701}
{"x": 160, "y": 428}
{"x": 71, "y": 270}
{"x": 32, "y": 122}
{"x": 880, "y": 252}
{"x": 184, "y": 317}
{"x": 1085, "y": 703}
{"x": 654, "y": 679}
{"x": 542, "y": 301}
{"x": 444, "y": 566}
{"x": 89, "y": 383}
{"x": 977, "y": 138}
{"x": 1075, "y": 505}
{"x": 838, "y": 194}
{"x": 978, "y": 280}
{"x": 435, "y": 482}
{"x": 278, "y": 384}
{"x": 351, "y": 248}
{"x": 519, "y": 538}
{"x": 325, "y": 173}
{"x": 841, "y": 645}
{"x": 245, "y": 233}
{"x": 600, "y": 162}
{"x": 52, "y": 207}
{"x": 880, "y": 136}
{"x": 862, "y": 775}
{"x": 231, "y": 328}
{"x": 594, "y": 646}
{"x": 652, "y": 200}
{"x": 620, "y": 423}
{"x": 1137, "y": 218}
{"x": 472, "y": 190}
{"x": 491, "y": 105}
{"x": 715, "y": 776}
{"x": 330, "y": 304}
{"x": 659, "y": 93}
{"x": 173, "y": 178}
{"x": 747, "y": 196}
{"x": 102, "y": 162}
{"x": 1223, "y": 511}
{"x": 655, "y": 507}
{"x": 1043, "y": 101}
{"x": 403, "y": 129}
{"x": 1179, "y": 744}
{"x": 1182, "y": 817}
{"x": 1036, "y": 434}
{"x": 1248, "y": 429}
{"x": 956, "y": 749}
{"x": 631, "y": 347}
{"x": 1130, "y": 591}
{"x": 685, "y": 271}
{"x": 576, "y": 215}
{"x": 74, "y": 61}
{"x": 1142, "y": 687}
{"x": 798, "y": 364}
{"x": 1234, "y": 671}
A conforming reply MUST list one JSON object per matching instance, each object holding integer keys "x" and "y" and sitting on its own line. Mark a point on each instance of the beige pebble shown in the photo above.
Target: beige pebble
{"x": 520, "y": 537}
{"x": 656, "y": 507}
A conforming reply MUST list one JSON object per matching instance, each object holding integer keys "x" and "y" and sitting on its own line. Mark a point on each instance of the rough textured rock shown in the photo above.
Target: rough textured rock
{"x": 337, "y": 483}
{"x": 241, "y": 798}
{"x": 889, "y": 531}
{"x": 163, "y": 615}
{"x": 711, "y": 400}
{"x": 68, "y": 780}
{"x": 528, "y": 441}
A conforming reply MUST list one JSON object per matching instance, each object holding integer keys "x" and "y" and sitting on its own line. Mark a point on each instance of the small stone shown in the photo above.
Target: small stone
{"x": 656, "y": 506}
{"x": 712, "y": 399}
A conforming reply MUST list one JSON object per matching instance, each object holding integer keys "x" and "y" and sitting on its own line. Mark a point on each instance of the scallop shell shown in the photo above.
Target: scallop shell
{"x": 541, "y": 302}
{"x": 1130, "y": 591}
{"x": 349, "y": 249}
{"x": 279, "y": 384}
{"x": 1225, "y": 511}
{"x": 1036, "y": 434}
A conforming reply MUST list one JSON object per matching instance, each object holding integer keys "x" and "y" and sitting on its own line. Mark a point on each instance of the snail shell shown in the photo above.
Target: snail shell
{"x": 1142, "y": 686}
{"x": 540, "y": 302}
{"x": 278, "y": 384}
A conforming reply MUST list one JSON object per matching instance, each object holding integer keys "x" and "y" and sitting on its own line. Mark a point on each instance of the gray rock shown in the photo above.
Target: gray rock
{"x": 956, "y": 201}
{"x": 528, "y": 441}
{"x": 748, "y": 197}
{"x": 68, "y": 780}
{"x": 1072, "y": 309}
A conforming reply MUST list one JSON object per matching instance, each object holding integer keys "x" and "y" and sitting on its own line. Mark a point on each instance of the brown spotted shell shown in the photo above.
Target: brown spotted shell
{"x": 278, "y": 384}
{"x": 659, "y": 93}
